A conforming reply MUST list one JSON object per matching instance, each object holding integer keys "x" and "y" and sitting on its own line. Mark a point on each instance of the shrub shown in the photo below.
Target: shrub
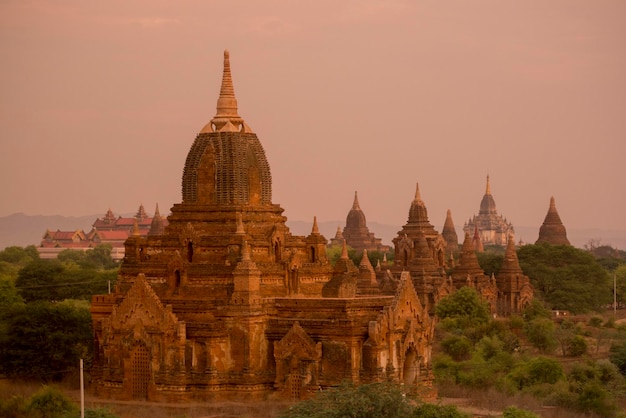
{"x": 457, "y": 347}
{"x": 577, "y": 346}
{"x": 540, "y": 333}
{"x": 427, "y": 410}
{"x": 13, "y": 407}
{"x": 99, "y": 413}
{"x": 49, "y": 402}
{"x": 535, "y": 371}
{"x": 513, "y": 412}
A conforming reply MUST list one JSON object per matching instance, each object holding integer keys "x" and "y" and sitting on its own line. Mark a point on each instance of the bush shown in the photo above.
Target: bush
{"x": 513, "y": 412}
{"x": 457, "y": 347}
{"x": 99, "y": 413}
{"x": 428, "y": 410}
{"x": 540, "y": 333}
{"x": 536, "y": 371}
{"x": 49, "y": 402}
{"x": 13, "y": 407}
{"x": 577, "y": 346}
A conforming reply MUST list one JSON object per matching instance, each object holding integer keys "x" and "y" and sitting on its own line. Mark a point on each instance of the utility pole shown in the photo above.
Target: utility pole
{"x": 82, "y": 391}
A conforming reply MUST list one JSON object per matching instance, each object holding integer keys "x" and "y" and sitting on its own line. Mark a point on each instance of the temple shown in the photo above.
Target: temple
{"x": 223, "y": 302}
{"x": 110, "y": 229}
{"x": 492, "y": 228}
{"x": 356, "y": 234}
{"x": 552, "y": 231}
{"x": 226, "y": 302}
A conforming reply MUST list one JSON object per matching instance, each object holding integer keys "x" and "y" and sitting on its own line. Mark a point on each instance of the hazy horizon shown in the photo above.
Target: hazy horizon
{"x": 101, "y": 102}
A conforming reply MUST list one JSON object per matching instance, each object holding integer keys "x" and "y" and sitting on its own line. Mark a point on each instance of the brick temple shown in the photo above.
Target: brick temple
{"x": 225, "y": 303}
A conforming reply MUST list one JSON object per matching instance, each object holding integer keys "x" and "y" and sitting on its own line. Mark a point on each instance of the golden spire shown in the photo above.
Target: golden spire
{"x": 488, "y": 191}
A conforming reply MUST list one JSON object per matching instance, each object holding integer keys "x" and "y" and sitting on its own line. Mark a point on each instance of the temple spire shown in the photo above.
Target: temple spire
{"x": 355, "y": 205}
{"x": 316, "y": 229}
{"x": 418, "y": 197}
{"x": 488, "y": 189}
{"x": 227, "y": 118}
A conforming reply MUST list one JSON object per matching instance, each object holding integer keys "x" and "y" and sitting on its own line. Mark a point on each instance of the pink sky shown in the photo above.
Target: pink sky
{"x": 101, "y": 101}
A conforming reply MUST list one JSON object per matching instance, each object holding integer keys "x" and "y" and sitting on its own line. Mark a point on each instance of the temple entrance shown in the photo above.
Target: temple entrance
{"x": 140, "y": 372}
{"x": 295, "y": 385}
{"x": 411, "y": 367}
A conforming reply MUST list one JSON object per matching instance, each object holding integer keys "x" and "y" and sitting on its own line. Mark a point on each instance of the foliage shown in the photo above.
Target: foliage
{"x": 540, "y": 333}
{"x": 349, "y": 400}
{"x": 535, "y": 371}
{"x": 99, "y": 413}
{"x": 617, "y": 355}
{"x": 490, "y": 262}
{"x": 565, "y": 277}
{"x": 366, "y": 401}
{"x": 427, "y": 410}
{"x": 19, "y": 255}
{"x": 52, "y": 280}
{"x": 9, "y": 296}
{"x": 49, "y": 402}
{"x": 536, "y": 309}
{"x": 97, "y": 258}
{"x": 464, "y": 307}
{"x": 44, "y": 340}
{"x": 513, "y": 412}
{"x": 457, "y": 347}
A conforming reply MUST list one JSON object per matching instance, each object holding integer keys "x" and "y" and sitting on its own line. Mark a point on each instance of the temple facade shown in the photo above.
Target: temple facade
{"x": 225, "y": 302}
{"x": 491, "y": 227}
{"x": 552, "y": 231}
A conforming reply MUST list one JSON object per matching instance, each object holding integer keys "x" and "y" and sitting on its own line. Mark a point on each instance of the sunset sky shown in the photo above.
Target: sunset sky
{"x": 100, "y": 102}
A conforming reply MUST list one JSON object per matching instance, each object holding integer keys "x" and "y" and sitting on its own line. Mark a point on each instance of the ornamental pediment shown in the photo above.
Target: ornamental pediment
{"x": 142, "y": 307}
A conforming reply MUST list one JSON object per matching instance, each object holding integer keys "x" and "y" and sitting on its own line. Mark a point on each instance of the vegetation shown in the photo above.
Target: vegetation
{"x": 45, "y": 323}
{"x": 479, "y": 352}
{"x": 384, "y": 400}
{"x": 566, "y": 278}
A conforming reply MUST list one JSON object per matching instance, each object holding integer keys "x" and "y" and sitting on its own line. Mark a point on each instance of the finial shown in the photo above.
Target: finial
{"x": 227, "y": 118}
{"x": 418, "y": 197}
{"x": 344, "y": 251}
{"x": 315, "y": 229}
{"x": 355, "y": 205}
{"x": 156, "y": 211}
{"x": 552, "y": 203}
{"x": 488, "y": 190}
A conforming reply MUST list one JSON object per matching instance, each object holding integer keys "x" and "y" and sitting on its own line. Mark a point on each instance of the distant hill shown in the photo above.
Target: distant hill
{"x": 22, "y": 230}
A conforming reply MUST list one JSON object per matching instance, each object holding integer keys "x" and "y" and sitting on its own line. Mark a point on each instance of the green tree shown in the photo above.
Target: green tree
{"x": 540, "y": 333}
{"x": 44, "y": 340}
{"x": 19, "y": 255}
{"x": 535, "y": 371}
{"x": 465, "y": 307}
{"x": 49, "y": 402}
{"x": 617, "y": 355}
{"x": 490, "y": 262}
{"x": 565, "y": 277}
{"x": 39, "y": 280}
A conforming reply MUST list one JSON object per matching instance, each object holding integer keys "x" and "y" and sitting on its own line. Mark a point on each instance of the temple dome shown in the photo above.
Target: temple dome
{"x": 552, "y": 230}
{"x": 226, "y": 164}
{"x": 356, "y": 217}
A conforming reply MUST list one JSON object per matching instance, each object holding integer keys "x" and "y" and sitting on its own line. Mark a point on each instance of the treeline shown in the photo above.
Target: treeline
{"x": 45, "y": 323}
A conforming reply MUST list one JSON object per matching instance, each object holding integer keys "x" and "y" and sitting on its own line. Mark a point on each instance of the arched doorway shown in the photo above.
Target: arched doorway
{"x": 411, "y": 367}
{"x": 140, "y": 372}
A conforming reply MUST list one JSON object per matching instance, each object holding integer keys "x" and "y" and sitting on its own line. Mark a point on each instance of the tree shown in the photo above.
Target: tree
{"x": 44, "y": 340}
{"x": 565, "y": 277}
{"x": 465, "y": 306}
{"x": 535, "y": 371}
{"x": 490, "y": 262}
{"x": 19, "y": 255}
{"x": 540, "y": 333}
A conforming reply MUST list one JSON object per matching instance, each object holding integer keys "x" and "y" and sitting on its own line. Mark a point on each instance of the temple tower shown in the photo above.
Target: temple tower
{"x": 552, "y": 230}
{"x": 357, "y": 234}
{"x": 493, "y": 228}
